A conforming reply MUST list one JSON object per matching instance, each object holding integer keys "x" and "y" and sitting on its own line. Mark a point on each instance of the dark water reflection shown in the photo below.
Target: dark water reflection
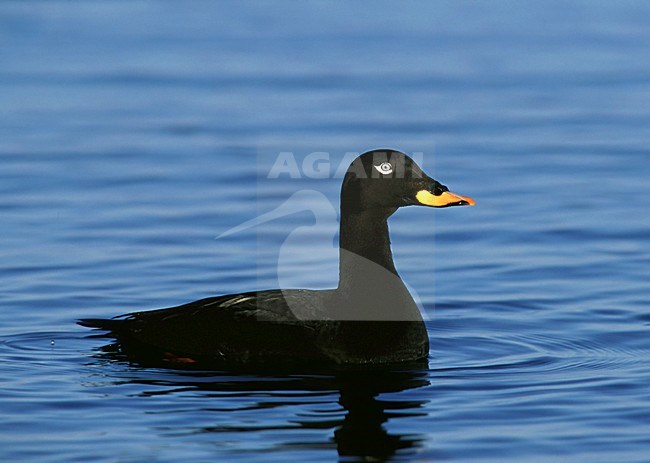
{"x": 367, "y": 399}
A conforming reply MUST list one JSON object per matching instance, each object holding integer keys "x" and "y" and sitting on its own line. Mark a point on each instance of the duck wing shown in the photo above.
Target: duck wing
{"x": 235, "y": 328}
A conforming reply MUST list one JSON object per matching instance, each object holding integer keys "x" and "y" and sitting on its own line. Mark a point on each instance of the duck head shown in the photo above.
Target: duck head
{"x": 388, "y": 179}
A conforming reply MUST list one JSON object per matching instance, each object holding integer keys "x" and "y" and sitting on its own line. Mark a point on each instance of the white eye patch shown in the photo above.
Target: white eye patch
{"x": 384, "y": 168}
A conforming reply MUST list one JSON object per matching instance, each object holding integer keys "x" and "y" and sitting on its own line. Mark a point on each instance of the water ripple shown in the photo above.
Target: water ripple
{"x": 530, "y": 354}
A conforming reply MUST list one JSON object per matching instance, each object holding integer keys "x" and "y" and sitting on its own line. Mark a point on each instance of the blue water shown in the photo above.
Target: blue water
{"x": 134, "y": 133}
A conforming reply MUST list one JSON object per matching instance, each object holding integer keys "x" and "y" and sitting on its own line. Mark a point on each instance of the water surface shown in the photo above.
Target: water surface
{"x": 133, "y": 134}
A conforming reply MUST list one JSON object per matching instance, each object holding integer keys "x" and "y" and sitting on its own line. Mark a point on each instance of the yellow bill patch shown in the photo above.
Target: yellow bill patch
{"x": 445, "y": 199}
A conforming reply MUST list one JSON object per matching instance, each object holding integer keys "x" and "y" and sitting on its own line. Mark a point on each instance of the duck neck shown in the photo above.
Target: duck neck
{"x": 364, "y": 238}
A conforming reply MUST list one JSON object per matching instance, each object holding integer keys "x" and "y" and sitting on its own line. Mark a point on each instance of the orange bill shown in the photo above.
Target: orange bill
{"x": 445, "y": 199}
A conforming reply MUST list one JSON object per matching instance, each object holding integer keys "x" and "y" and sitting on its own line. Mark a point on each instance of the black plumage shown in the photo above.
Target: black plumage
{"x": 370, "y": 318}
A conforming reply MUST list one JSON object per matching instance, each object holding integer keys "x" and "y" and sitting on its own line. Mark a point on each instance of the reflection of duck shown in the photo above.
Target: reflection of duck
{"x": 370, "y": 318}
{"x": 362, "y": 433}
{"x": 311, "y": 413}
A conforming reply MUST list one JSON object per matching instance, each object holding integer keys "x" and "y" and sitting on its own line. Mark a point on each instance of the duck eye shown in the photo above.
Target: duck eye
{"x": 384, "y": 168}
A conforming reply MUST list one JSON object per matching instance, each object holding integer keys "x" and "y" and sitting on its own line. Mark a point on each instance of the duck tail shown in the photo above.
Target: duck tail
{"x": 101, "y": 323}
